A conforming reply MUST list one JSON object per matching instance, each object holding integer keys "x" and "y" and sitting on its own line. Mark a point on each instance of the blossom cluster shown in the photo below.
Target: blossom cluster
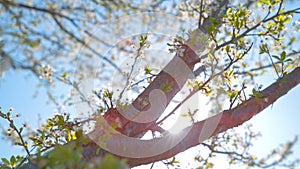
{"x": 46, "y": 72}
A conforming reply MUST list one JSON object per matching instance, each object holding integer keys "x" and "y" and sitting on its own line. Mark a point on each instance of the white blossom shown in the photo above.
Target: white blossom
{"x": 46, "y": 72}
{"x": 180, "y": 51}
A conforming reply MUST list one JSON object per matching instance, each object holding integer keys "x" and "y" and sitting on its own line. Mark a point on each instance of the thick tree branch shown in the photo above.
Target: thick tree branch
{"x": 227, "y": 119}
{"x": 166, "y": 76}
{"x": 190, "y": 58}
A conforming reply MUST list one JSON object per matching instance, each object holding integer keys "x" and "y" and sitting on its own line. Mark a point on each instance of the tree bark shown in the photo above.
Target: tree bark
{"x": 200, "y": 131}
{"x": 227, "y": 119}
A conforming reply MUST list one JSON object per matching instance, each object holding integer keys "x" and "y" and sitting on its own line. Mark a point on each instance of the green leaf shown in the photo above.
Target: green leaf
{"x": 143, "y": 40}
{"x": 64, "y": 74}
{"x": 232, "y": 94}
{"x": 107, "y": 94}
{"x": 276, "y": 57}
{"x": 256, "y": 93}
{"x": 13, "y": 161}
{"x": 147, "y": 70}
{"x": 283, "y": 56}
{"x": 8, "y": 114}
{"x": 227, "y": 48}
{"x": 288, "y": 60}
{"x": 5, "y": 161}
{"x": 213, "y": 27}
{"x": 268, "y": 2}
{"x": 214, "y": 21}
{"x": 263, "y": 48}
{"x": 231, "y": 72}
{"x": 78, "y": 133}
{"x": 229, "y": 12}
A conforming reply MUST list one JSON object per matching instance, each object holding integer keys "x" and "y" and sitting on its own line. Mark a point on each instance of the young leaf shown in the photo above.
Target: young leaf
{"x": 147, "y": 70}
{"x": 283, "y": 56}
{"x": 276, "y": 57}
{"x": 13, "y": 161}
{"x": 5, "y": 161}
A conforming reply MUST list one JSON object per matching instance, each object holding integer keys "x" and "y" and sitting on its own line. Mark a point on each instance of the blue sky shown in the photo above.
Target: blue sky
{"x": 17, "y": 90}
{"x": 279, "y": 122}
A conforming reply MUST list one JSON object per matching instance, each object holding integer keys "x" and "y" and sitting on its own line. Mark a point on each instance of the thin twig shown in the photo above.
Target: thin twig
{"x": 200, "y": 14}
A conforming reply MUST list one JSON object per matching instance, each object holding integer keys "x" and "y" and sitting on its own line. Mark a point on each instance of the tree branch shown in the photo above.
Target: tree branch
{"x": 176, "y": 68}
{"x": 227, "y": 119}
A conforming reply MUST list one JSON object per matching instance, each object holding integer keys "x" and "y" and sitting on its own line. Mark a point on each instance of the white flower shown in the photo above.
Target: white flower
{"x": 180, "y": 51}
{"x": 46, "y": 72}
